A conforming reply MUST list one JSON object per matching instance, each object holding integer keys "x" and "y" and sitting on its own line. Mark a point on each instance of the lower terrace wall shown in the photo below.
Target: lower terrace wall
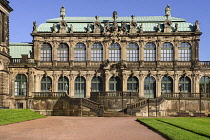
{"x": 63, "y": 106}
{"x": 172, "y": 107}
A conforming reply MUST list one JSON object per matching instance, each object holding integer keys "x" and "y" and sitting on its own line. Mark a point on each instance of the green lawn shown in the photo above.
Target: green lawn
{"x": 180, "y": 128}
{"x": 8, "y": 116}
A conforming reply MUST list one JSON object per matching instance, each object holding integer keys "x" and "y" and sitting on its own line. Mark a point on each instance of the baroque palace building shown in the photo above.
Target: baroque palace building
{"x": 117, "y": 62}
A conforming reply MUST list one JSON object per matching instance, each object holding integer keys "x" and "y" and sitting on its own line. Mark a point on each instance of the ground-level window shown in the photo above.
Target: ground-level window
{"x": 63, "y": 84}
{"x": 185, "y": 85}
{"x": 166, "y": 85}
{"x": 46, "y": 84}
{"x": 96, "y": 84}
{"x": 80, "y": 87}
{"x": 205, "y": 84}
{"x": 20, "y": 85}
{"x": 149, "y": 87}
{"x": 132, "y": 84}
{"x": 114, "y": 84}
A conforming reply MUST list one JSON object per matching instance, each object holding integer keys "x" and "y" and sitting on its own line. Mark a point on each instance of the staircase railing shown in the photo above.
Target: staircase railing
{"x": 93, "y": 105}
{"x": 145, "y": 102}
{"x": 49, "y": 94}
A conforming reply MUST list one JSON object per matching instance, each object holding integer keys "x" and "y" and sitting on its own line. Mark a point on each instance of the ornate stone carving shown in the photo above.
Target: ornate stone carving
{"x": 123, "y": 29}
{"x": 63, "y": 26}
{"x": 141, "y": 28}
{"x": 71, "y": 29}
{"x": 34, "y": 27}
{"x": 54, "y": 28}
{"x": 167, "y": 26}
{"x": 88, "y": 28}
{"x": 197, "y": 26}
{"x": 158, "y": 28}
{"x": 176, "y": 27}
{"x": 106, "y": 28}
{"x": 97, "y": 25}
{"x": 133, "y": 25}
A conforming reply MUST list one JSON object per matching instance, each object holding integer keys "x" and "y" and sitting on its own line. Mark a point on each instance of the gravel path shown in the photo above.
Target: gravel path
{"x": 78, "y": 128}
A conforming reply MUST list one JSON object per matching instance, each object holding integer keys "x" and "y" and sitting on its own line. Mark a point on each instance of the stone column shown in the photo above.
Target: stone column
{"x": 88, "y": 85}
{"x": 71, "y": 50}
{"x": 37, "y": 50}
{"x": 141, "y": 85}
{"x": 124, "y": 81}
{"x": 12, "y": 85}
{"x": 107, "y": 75}
{"x": 176, "y": 51}
{"x": 71, "y": 89}
{"x": 106, "y": 50}
{"x": 54, "y": 51}
{"x": 141, "y": 51}
{"x": 158, "y": 85}
{"x": 123, "y": 50}
{"x": 196, "y": 50}
{"x": 88, "y": 51}
{"x": 158, "y": 50}
{"x": 176, "y": 83}
{"x": 30, "y": 84}
{"x": 38, "y": 82}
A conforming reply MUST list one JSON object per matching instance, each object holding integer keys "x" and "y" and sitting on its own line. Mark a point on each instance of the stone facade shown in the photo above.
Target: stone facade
{"x": 47, "y": 65}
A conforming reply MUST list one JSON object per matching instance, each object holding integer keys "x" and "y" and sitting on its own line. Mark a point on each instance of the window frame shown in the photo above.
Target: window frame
{"x": 63, "y": 52}
{"x": 167, "y": 52}
{"x": 46, "y": 52}
{"x": 80, "y": 52}
{"x": 97, "y": 52}
{"x": 149, "y": 52}
{"x": 114, "y": 52}
{"x": 133, "y": 52}
{"x": 20, "y": 85}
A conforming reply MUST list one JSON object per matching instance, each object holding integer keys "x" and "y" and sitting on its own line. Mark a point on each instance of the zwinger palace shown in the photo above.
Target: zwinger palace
{"x": 101, "y": 66}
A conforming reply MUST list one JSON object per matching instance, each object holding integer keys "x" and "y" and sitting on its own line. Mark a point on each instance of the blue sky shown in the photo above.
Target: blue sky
{"x": 27, "y": 11}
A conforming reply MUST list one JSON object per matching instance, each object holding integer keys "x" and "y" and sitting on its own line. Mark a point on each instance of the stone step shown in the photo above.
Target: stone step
{"x": 115, "y": 114}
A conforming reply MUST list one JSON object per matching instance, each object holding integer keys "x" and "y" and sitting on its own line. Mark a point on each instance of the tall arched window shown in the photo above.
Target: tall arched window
{"x": 150, "y": 52}
{"x": 185, "y": 84}
{"x": 149, "y": 87}
{"x": 132, "y": 84}
{"x": 63, "y": 84}
{"x": 114, "y": 84}
{"x": 80, "y": 87}
{"x": 115, "y": 52}
{"x": 46, "y": 84}
{"x": 46, "y": 52}
{"x": 20, "y": 85}
{"x": 97, "y": 52}
{"x": 63, "y": 52}
{"x": 80, "y": 52}
{"x": 167, "y": 52}
{"x": 205, "y": 84}
{"x": 96, "y": 84}
{"x": 185, "y": 51}
{"x": 167, "y": 85}
{"x": 133, "y": 52}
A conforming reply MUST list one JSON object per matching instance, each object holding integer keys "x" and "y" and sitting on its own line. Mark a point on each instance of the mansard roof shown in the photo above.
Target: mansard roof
{"x": 17, "y": 49}
{"x": 149, "y": 23}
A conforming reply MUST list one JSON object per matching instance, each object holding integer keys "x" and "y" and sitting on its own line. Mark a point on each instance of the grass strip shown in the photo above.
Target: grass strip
{"x": 196, "y": 125}
{"x": 171, "y": 132}
{"x": 8, "y": 116}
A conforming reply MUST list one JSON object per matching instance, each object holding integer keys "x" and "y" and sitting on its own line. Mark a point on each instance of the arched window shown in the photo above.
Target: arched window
{"x": 185, "y": 84}
{"x": 20, "y": 85}
{"x": 167, "y": 85}
{"x": 80, "y": 87}
{"x": 205, "y": 84}
{"x": 133, "y": 52}
{"x": 167, "y": 52}
{"x": 150, "y": 52}
{"x": 149, "y": 87}
{"x": 46, "y": 84}
{"x": 185, "y": 52}
{"x": 80, "y": 52}
{"x": 114, "y": 84}
{"x": 63, "y": 52}
{"x": 97, "y": 52}
{"x": 96, "y": 84}
{"x": 115, "y": 52}
{"x": 46, "y": 52}
{"x": 63, "y": 84}
{"x": 132, "y": 84}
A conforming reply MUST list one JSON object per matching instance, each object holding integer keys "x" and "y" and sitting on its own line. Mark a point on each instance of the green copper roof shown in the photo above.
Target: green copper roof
{"x": 149, "y": 23}
{"x": 17, "y": 49}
